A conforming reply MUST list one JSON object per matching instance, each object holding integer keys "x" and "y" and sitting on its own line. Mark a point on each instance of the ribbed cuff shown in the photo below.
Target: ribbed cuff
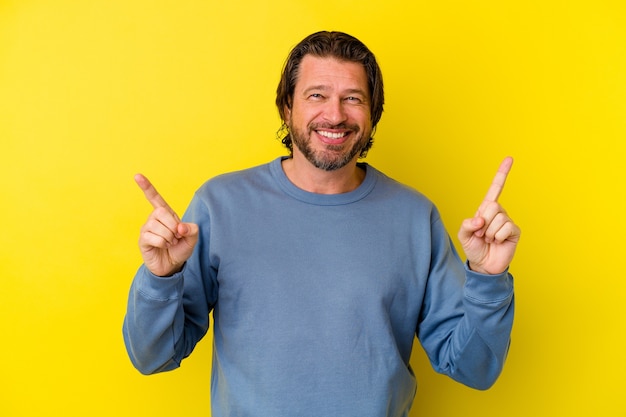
{"x": 485, "y": 288}
{"x": 159, "y": 288}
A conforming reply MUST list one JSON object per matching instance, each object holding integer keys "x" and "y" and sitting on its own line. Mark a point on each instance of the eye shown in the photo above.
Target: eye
{"x": 316, "y": 96}
{"x": 353, "y": 99}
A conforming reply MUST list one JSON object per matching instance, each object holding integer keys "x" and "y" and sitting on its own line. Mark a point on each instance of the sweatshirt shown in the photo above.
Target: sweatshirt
{"x": 317, "y": 299}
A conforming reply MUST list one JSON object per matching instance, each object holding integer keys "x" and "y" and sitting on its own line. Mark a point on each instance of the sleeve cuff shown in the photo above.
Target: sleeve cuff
{"x": 159, "y": 288}
{"x": 485, "y": 288}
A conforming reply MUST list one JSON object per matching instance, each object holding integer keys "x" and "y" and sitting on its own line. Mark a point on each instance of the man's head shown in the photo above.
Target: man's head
{"x": 339, "y": 46}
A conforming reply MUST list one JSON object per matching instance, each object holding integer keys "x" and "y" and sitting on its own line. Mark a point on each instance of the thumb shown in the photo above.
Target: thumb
{"x": 469, "y": 227}
{"x": 189, "y": 230}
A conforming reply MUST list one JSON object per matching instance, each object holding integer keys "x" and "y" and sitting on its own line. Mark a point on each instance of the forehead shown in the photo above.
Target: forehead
{"x": 331, "y": 73}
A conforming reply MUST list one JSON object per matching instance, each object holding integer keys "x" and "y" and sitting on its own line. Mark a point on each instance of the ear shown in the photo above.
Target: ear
{"x": 287, "y": 112}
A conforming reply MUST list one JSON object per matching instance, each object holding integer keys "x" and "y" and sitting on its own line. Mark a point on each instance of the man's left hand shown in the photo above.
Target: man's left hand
{"x": 490, "y": 237}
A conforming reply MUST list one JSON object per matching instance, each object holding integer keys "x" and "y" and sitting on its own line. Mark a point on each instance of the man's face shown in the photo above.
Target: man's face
{"x": 330, "y": 119}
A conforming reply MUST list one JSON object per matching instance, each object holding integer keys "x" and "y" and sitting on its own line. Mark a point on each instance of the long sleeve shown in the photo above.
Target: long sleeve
{"x": 467, "y": 318}
{"x": 153, "y": 322}
{"x": 320, "y": 299}
{"x": 166, "y": 317}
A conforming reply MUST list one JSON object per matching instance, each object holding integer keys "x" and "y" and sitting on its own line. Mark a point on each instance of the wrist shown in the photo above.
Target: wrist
{"x": 475, "y": 268}
{"x": 480, "y": 270}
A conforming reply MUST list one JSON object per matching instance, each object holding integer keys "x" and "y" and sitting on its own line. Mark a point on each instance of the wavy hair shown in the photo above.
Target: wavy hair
{"x": 337, "y": 45}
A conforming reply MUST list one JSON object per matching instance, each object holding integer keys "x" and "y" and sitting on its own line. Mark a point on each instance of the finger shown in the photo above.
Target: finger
{"x": 509, "y": 231}
{"x": 189, "y": 232}
{"x": 157, "y": 228}
{"x": 469, "y": 227}
{"x": 187, "y": 229}
{"x": 494, "y": 229}
{"x": 167, "y": 218}
{"x": 498, "y": 181}
{"x": 149, "y": 240}
{"x": 489, "y": 209}
{"x": 151, "y": 193}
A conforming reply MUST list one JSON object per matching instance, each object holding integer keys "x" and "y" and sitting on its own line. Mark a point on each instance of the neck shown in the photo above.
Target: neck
{"x": 307, "y": 177}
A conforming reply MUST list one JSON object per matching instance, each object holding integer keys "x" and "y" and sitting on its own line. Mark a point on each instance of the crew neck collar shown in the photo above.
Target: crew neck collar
{"x": 323, "y": 199}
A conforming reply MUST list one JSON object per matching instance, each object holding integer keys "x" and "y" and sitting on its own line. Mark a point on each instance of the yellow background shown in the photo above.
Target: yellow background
{"x": 94, "y": 91}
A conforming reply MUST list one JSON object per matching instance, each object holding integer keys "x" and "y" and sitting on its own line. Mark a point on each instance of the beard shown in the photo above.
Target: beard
{"x": 333, "y": 157}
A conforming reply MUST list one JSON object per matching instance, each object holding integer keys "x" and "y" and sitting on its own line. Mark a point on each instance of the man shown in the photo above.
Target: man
{"x": 320, "y": 270}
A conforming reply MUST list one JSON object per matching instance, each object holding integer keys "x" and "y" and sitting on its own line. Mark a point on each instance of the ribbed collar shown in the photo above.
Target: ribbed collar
{"x": 323, "y": 199}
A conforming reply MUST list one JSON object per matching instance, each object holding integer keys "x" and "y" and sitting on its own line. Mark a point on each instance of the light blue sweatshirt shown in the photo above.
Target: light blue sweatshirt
{"x": 317, "y": 299}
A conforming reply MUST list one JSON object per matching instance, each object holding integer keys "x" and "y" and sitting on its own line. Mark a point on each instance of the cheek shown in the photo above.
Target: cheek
{"x": 360, "y": 115}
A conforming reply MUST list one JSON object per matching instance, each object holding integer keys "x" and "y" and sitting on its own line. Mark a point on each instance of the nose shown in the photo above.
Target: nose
{"x": 334, "y": 112}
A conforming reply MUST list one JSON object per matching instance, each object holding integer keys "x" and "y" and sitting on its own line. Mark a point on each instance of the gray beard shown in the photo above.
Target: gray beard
{"x": 331, "y": 160}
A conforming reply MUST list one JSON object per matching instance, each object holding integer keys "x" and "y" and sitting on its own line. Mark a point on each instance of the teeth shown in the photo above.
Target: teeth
{"x": 331, "y": 135}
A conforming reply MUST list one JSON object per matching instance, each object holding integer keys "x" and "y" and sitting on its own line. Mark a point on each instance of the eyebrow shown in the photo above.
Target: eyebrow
{"x": 323, "y": 87}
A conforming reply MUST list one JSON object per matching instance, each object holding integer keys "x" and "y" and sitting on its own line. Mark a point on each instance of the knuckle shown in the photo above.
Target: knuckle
{"x": 160, "y": 212}
{"x": 493, "y": 206}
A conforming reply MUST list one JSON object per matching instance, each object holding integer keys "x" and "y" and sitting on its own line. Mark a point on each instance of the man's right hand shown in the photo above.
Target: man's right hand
{"x": 165, "y": 242}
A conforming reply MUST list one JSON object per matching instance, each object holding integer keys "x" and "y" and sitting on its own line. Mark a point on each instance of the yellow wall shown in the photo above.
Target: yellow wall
{"x": 93, "y": 91}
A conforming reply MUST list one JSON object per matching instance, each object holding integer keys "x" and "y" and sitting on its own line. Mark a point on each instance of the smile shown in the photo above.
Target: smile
{"x": 331, "y": 135}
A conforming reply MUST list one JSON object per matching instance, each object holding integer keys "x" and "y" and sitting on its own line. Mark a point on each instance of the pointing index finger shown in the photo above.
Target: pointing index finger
{"x": 498, "y": 181}
{"x": 152, "y": 195}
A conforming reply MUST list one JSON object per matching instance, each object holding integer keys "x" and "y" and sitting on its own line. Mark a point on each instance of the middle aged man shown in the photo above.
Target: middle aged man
{"x": 320, "y": 270}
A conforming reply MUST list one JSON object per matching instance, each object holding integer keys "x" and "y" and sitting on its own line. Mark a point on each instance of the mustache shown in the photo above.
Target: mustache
{"x": 340, "y": 126}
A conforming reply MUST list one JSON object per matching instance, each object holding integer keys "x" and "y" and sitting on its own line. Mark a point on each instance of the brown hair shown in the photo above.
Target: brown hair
{"x": 337, "y": 45}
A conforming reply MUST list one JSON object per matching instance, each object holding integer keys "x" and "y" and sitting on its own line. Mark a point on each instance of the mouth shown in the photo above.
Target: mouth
{"x": 332, "y": 137}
